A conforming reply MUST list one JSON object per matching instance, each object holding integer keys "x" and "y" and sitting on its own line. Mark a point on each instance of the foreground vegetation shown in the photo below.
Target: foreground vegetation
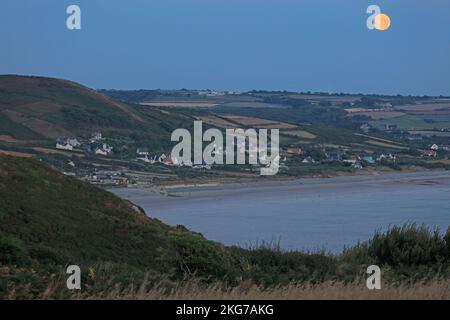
{"x": 435, "y": 290}
{"x": 49, "y": 221}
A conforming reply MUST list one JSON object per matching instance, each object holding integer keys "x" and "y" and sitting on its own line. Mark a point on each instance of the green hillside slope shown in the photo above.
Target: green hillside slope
{"x": 47, "y": 108}
{"x": 58, "y": 219}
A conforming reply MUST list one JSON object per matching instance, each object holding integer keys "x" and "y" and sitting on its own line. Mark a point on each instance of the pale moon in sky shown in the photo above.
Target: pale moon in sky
{"x": 382, "y": 22}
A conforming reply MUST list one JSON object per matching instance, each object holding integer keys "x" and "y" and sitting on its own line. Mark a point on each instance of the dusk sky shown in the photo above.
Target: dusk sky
{"x": 298, "y": 45}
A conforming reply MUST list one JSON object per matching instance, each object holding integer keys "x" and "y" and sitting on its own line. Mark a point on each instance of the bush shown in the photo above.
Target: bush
{"x": 447, "y": 244}
{"x": 47, "y": 255}
{"x": 354, "y": 260}
{"x": 195, "y": 256}
{"x": 408, "y": 246}
{"x": 12, "y": 251}
{"x": 270, "y": 265}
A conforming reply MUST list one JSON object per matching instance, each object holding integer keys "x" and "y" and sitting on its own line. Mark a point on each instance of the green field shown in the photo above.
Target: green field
{"x": 410, "y": 122}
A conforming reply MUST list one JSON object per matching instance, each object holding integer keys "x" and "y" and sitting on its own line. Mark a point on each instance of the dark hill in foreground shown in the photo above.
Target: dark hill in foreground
{"x": 48, "y": 221}
{"x": 56, "y": 219}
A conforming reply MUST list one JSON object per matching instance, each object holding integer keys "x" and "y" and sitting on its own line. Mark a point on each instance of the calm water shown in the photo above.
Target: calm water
{"x": 307, "y": 214}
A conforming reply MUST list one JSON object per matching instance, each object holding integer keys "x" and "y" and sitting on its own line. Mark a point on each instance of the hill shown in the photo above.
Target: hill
{"x": 54, "y": 219}
{"x": 33, "y": 108}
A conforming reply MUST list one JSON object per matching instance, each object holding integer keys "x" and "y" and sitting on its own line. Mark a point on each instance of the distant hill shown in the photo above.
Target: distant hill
{"x": 33, "y": 108}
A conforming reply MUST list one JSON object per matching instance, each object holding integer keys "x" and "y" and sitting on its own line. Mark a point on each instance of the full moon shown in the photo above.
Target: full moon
{"x": 382, "y": 22}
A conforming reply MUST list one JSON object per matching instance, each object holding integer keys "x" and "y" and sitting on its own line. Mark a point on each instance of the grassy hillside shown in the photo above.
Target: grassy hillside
{"x": 47, "y": 108}
{"x": 54, "y": 219}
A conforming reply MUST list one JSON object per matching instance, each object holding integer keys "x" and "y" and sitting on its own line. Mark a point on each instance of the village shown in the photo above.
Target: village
{"x": 95, "y": 145}
{"x": 156, "y": 166}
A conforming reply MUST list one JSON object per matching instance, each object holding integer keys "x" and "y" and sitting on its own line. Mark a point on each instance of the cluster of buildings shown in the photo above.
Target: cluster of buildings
{"x": 95, "y": 144}
{"x": 356, "y": 161}
{"x": 341, "y": 155}
{"x": 214, "y": 93}
{"x": 67, "y": 143}
{"x": 106, "y": 178}
{"x": 143, "y": 154}
{"x": 431, "y": 152}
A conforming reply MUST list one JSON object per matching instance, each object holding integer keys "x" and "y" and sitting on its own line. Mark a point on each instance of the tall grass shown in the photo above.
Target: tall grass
{"x": 326, "y": 290}
{"x": 197, "y": 290}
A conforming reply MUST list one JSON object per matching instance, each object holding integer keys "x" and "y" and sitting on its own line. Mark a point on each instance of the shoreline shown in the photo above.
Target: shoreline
{"x": 374, "y": 177}
{"x": 390, "y": 180}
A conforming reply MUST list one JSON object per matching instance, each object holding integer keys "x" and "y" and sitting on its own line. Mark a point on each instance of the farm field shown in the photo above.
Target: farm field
{"x": 244, "y": 104}
{"x": 424, "y": 107}
{"x": 300, "y": 134}
{"x": 410, "y": 122}
{"x": 258, "y": 122}
{"x": 181, "y": 104}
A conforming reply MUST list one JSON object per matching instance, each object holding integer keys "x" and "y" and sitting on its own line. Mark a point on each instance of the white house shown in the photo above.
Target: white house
{"x": 386, "y": 157}
{"x": 96, "y": 137}
{"x": 64, "y": 146}
{"x": 101, "y": 152}
{"x": 357, "y": 165}
{"x": 107, "y": 148}
{"x": 162, "y": 158}
{"x": 142, "y": 152}
{"x": 73, "y": 142}
{"x": 104, "y": 150}
{"x": 309, "y": 160}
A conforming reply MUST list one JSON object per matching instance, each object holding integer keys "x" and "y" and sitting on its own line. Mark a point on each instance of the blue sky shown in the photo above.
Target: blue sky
{"x": 299, "y": 45}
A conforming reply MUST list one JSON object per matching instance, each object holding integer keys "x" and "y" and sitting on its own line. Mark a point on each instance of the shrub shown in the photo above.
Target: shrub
{"x": 447, "y": 244}
{"x": 195, "y": 256}
{"x": 354, "y": 260}
{"x": 269, "y": 265}
{"x": 12, "y": 251}
{"x": 47, "y": 255}
{"x": 408, "y": 246}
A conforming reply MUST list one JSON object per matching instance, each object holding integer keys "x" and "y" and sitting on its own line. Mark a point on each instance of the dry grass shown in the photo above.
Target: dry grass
{"x": 6, "y": 138}
{"x": 196, "y": 290}
{"x": 16, "y": 154}
{"x": 437, "y": 290}
{"x": 54, "y": 151}
{"x": 248, "y": 120}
